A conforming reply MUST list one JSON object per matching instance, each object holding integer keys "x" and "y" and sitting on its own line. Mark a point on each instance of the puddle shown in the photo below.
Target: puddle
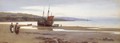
{"x": 116, "y": 32}
{"x": 28, "y": 27}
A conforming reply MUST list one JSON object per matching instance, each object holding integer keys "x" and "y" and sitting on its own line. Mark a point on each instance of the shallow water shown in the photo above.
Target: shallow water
{"x": 68, "y": 30}
{"x": 67, "y": 23}
{"x": 103, "y": 24}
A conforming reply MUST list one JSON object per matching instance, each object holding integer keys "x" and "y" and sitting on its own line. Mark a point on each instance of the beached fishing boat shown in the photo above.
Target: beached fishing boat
{"x": 46, "y": 22}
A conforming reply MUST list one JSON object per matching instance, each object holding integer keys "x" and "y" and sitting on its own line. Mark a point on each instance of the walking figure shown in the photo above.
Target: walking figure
{"x": 11, "y": 28}
{"x": 17, "y": 27}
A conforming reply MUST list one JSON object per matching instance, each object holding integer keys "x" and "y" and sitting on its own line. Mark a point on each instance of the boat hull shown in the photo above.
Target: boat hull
{"x": 46, "y": 22}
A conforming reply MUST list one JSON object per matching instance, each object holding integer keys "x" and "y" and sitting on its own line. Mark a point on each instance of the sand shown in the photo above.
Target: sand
{"x": 42, "y": 36}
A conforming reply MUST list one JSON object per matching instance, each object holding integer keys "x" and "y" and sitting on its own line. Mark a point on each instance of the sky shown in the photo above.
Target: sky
{"x": 69, "y": 8}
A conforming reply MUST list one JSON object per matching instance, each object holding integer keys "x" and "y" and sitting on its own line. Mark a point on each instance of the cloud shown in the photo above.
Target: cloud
{"x": 46, "y": 2}
{"x": 16, "y": 4}
{"x": 76, "y": 8}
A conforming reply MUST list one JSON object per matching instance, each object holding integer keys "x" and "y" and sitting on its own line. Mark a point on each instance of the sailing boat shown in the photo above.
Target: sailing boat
{"x": 48, "y": 21}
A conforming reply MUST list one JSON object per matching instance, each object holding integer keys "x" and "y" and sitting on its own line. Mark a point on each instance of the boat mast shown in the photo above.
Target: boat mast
{"x": 48, "y": 7}
{"x": 43, "y": 12}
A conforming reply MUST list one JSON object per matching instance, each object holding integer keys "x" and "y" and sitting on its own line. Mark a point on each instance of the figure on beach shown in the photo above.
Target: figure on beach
{"x": 14, "y": 28}
{"x": 17, "y": 27}
{"x": 11, "y": 28}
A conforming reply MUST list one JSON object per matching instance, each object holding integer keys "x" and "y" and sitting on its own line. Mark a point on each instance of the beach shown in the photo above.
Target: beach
{"x": 46, "y": 35}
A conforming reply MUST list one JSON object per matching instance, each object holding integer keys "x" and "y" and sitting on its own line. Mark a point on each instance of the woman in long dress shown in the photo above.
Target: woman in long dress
{"x": 11, "y": 28}
{"x": 17, "y": 27}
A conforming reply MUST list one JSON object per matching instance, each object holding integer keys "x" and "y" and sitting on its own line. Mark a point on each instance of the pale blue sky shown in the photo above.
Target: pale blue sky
{"x": 71, "y": 8}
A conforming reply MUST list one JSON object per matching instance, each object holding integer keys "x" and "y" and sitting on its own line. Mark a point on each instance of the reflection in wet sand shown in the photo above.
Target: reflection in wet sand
{"x": 27, "y": 27}
{"x": 45, "y": 28}
{"x": 69, "y": 30}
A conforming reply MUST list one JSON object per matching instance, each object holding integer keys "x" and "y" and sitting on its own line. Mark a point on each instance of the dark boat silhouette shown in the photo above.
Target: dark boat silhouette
{"x": 46, "y": 21}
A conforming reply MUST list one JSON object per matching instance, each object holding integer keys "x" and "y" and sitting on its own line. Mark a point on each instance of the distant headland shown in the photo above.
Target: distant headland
{"x": 7, "y": 16}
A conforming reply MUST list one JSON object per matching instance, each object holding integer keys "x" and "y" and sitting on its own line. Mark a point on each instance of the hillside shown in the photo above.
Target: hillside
{"x": 18, "y": 17}
{"x": 6, "y": 16}
{"x": 71, "y": 19}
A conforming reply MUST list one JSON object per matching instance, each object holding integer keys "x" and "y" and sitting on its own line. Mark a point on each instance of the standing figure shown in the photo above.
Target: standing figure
{"x": 11, "y": 28}
{"x": 17, "y": 27}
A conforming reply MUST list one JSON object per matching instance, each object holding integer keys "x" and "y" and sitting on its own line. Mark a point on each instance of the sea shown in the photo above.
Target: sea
{"x": 102, "y": 24}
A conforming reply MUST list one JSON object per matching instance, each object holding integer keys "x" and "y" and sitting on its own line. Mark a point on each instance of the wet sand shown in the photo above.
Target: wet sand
{"x": 41, "y": 36}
